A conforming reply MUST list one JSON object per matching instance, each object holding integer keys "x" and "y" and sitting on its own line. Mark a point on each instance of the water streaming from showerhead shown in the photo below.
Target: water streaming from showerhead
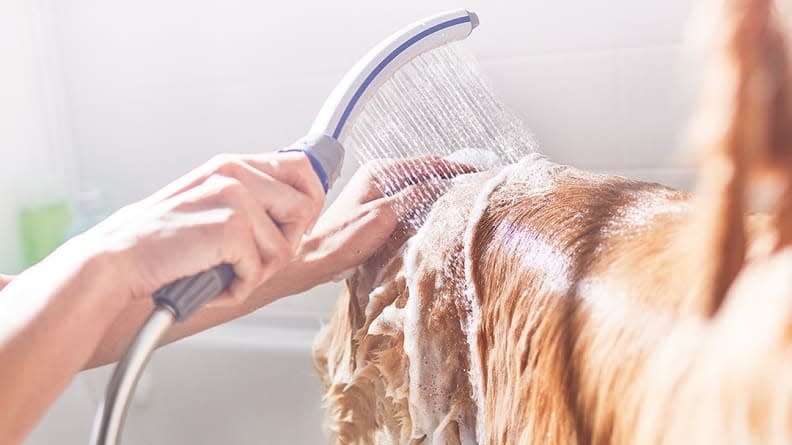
{"x": 438, "y": 104}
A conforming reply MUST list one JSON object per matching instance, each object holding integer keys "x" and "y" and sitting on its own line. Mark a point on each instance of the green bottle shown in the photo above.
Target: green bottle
{"x": 42, "y": 229}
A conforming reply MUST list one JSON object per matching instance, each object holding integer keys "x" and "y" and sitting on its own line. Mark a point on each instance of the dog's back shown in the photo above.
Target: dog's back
{"x": 542, "y": 304}
{"x": 528, "y": 309}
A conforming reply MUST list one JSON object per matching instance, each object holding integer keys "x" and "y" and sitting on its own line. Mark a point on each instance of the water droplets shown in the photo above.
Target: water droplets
{"x": 436, "y": 105}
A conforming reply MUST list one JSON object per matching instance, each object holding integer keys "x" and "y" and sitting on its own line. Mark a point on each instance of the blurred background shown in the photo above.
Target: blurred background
{"x": 102, "y": 102}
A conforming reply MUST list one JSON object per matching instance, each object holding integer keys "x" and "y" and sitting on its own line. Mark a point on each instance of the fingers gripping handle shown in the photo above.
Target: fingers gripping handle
{"x": 186, "y": 295}
{"x": 326, "y": 155}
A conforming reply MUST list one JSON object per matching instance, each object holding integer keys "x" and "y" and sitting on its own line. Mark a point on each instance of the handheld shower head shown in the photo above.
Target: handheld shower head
{"x": 361, "y": 82}
{"x": 323, "y": 145}
{"x": 378, "y": 65}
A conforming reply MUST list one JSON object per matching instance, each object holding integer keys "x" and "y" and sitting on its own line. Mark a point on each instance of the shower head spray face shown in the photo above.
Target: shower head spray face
{"x": 378, "y": 65}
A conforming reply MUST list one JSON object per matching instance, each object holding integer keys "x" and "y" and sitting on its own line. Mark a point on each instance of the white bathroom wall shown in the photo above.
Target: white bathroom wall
{"x": 37, "y": 165}
{"x": 157, "y": 87}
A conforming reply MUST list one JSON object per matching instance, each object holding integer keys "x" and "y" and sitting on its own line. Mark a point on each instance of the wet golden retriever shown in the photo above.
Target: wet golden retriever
{"x": 543, "y": 304}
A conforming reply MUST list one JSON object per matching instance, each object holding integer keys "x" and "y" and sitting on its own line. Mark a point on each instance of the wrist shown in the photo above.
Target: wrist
{"x": 312, "y": 262}
{"x": 301, "y": 274}
{"x": 298, "y": 276}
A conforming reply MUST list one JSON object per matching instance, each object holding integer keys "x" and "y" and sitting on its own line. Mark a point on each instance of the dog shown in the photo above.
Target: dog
{"x": 539, "y": 303}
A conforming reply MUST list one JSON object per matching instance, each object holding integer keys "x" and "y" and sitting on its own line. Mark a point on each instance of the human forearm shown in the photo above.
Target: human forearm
{"x": 51, "y": 318}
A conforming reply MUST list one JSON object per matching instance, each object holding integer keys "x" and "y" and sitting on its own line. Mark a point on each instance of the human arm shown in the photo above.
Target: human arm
{"x": 250, "y": 212}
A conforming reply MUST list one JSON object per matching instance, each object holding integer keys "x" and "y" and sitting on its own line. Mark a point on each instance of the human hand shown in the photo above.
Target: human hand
{"x": 363, "y": 217}
{"x": 249, "y": 211}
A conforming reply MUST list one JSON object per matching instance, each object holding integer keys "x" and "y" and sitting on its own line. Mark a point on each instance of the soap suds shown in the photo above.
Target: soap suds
{"x": 425, "y": 418}
{"x": 536, "y": 170}
{"x": 456, "y": 215}
{"x": 472, "y": 302}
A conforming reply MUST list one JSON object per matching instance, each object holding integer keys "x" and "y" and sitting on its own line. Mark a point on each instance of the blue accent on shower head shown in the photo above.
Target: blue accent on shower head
{"x": 324, "y": 179}
{"x": 401, "y": 48}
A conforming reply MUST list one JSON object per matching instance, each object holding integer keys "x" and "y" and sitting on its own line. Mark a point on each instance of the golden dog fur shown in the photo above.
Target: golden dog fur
{"x": 543, "y": 304}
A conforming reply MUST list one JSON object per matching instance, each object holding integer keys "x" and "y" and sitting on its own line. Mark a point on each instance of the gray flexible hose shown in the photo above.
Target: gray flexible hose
{"x": 110, "y": 417}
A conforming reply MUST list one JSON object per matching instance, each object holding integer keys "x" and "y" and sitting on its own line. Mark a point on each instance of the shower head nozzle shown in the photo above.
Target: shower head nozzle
{"x": 379, "y": 64}
{"x": 324, "y": 143}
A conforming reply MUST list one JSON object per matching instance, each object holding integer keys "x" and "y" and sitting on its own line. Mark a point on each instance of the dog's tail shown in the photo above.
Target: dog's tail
{"x": 744, "y": 135}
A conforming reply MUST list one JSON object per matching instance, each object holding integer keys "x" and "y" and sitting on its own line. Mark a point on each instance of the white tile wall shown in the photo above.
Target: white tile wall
{"x": 157, "y": 87}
